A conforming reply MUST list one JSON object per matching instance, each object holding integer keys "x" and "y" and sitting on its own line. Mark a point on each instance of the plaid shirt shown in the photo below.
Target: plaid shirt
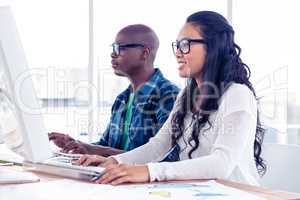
{"x": 151, "y": 107}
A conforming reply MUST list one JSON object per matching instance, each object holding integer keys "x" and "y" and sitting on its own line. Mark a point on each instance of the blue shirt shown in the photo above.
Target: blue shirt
{"x": 151, "y": 107}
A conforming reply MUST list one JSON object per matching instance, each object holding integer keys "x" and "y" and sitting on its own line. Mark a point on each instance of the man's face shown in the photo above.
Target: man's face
{"x": 127, "y": 55}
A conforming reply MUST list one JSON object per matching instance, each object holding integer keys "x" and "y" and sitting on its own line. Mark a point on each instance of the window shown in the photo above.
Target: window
{"x": 269, "y": 37}
{"x": 165, "y": 17}
{"x": 54, "y": 35}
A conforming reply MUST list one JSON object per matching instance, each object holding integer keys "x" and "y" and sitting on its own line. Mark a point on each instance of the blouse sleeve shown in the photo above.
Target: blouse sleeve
{"x": 235, "y": 137}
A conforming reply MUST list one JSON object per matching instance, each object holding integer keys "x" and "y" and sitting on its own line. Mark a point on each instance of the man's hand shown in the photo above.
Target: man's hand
{"x": 60, "y": 139}
{"x": 70, "y": 145}
{"x": 116, "y": 174}
{"x": 95, "y": 160}
{"x": 67, "y": 143}
{"x": 76, "y": 147}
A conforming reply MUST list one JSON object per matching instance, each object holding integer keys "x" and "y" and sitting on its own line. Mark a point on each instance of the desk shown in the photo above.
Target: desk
{"x": 259, "y": 191}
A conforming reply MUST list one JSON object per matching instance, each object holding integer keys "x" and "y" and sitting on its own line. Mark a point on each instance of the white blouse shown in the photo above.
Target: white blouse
{"x": 226, "y": 150}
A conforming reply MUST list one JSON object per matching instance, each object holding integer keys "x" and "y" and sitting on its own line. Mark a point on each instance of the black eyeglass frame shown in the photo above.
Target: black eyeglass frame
{"x": 176, "y": 45}
{"x": 117, "y": 47}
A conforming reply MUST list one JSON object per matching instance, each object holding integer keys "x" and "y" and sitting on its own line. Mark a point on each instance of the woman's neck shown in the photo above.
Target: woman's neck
{"x": 199, "y": 82}
{"x": 197, "y": 101}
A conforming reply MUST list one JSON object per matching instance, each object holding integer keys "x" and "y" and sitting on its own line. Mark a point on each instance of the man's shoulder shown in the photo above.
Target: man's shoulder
{"x": 121, "y": 97}
{"x": 165, "y": 86}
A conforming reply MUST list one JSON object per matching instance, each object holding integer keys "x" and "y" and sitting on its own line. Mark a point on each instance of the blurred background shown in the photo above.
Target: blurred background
{"x": 67, "y": 45}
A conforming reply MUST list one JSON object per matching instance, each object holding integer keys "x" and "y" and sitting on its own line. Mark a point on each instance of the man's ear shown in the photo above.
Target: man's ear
{"x": 146, "y": 53}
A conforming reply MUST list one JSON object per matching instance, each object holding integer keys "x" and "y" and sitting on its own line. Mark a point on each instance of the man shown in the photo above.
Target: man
{"x": 139, "y": 111}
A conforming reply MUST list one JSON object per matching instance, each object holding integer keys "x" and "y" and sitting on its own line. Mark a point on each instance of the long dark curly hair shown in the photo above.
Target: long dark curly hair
{"x": 222, "y": 67}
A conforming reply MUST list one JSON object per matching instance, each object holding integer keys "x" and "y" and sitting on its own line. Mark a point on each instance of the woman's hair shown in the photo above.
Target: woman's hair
{"x": 222, "y": 67}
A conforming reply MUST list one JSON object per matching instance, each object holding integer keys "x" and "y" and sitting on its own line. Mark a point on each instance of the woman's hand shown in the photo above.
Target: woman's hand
{"x": 95, "y": 160}
{"x": 116, "y": 174}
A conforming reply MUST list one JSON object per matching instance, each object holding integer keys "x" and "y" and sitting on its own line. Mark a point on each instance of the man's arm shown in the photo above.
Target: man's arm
{"x": 70, "y": 145}
{"x": 76, "y": 146}
{"x": 102, "y": 146}
{"x": 103, "y": 150}
{"x": 98, "y": 148}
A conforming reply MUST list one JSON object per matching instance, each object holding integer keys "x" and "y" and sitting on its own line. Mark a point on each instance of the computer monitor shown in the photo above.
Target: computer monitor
{"x": 18, "y": 84}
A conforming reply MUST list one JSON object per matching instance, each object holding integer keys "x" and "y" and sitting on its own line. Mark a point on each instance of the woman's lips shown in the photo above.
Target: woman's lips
{"x": 181, "y": 64}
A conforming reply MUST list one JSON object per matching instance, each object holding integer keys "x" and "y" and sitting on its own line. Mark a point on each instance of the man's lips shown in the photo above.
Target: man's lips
{"x": 114, "y": 64}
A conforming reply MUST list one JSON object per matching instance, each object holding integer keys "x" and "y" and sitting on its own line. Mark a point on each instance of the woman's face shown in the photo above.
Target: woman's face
{"x": 191, "y": 63}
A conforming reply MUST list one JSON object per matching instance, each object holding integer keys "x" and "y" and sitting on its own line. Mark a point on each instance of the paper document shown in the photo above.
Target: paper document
{"x": 65, "y": 189}
{"x": 77, "y": 190}
{"x": 192, "y": 190}
{"x": 11, "y": 176}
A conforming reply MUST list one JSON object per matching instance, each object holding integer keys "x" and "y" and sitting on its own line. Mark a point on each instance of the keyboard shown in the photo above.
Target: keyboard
{"x": 66, "y": 162}
{"x": 61, "y": 164}
{"x": 69, "y": 155}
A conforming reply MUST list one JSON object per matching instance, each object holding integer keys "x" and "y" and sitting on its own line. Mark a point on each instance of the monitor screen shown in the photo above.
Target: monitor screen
{"x": 28, "y": 133}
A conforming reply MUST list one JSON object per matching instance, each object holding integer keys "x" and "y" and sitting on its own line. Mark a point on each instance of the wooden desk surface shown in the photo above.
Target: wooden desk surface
{"x": 259, "y": 191}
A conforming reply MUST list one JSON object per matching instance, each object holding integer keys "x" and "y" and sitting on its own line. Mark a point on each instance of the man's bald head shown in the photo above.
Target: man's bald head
{"x": 139, "y": 33}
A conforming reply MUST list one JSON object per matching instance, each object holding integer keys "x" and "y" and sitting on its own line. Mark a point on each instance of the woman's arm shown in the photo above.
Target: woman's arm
{"x": 235, "y": 138}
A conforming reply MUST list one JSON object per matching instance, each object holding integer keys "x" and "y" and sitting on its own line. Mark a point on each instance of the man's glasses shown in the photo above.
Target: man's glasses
{"x": 116, "y": 48}
{"x": 184, "y": 45}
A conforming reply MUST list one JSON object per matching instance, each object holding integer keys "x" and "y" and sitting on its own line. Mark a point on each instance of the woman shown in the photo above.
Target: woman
{"x": 214, "y": 125}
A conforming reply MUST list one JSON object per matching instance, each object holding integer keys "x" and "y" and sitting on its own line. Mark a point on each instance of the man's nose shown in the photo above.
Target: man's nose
{"x": 113, "y": 55}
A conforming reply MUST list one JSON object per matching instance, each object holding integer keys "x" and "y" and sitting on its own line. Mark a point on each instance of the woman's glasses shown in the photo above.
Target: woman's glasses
{"x": 184, "y": 45}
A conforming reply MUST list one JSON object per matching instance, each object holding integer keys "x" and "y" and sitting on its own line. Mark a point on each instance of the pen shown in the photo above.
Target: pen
{"x": 9, "y": 163}
{"x": 6, "y": 164}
